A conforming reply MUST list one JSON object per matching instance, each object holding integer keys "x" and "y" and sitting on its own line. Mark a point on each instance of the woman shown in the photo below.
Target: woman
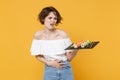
{"x": 49, "y": 46}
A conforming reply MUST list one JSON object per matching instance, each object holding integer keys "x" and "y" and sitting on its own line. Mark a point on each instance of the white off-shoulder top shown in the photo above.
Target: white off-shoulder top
{"x": 50, "y": 49}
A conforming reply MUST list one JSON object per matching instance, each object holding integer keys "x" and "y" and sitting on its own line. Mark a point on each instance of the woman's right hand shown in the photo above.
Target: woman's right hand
{"x": 55, "y": 63}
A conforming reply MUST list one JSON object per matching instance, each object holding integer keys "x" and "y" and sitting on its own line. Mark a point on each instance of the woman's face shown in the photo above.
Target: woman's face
{"x": 50, "y": 21}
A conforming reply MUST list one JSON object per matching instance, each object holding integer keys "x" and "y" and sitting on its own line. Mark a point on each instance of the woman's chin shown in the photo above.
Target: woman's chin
{"x": 52, "y": 28}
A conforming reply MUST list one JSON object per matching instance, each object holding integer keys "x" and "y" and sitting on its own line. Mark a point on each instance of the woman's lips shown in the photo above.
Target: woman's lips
{"x": 52, "y": 24}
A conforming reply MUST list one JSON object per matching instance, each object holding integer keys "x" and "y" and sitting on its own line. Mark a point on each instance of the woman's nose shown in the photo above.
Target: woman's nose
{"x": 53, "y": 20}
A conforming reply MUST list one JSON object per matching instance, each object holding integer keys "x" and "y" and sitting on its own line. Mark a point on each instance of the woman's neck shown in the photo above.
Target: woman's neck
{"x": 48, "y": 31}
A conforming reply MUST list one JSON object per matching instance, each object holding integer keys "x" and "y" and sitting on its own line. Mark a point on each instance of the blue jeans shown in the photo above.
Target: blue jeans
{"x": 52, "y": 73}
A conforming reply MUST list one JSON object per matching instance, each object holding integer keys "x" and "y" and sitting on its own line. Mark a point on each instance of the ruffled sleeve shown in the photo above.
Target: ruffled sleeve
{"x": 35, "y": 47}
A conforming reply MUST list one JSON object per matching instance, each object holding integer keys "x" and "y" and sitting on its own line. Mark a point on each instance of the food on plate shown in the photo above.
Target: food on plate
{"x": 82, "y": 44}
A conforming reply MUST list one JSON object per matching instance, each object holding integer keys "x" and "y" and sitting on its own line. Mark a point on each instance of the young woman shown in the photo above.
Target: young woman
{"x": 49, "y": 45}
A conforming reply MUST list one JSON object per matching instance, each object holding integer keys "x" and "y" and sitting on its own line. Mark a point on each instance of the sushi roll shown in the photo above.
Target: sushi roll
{"x": 85, "y": 44}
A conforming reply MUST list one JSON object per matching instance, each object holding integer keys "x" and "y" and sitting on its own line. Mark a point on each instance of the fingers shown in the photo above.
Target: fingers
{"x": 61, "y": 66}
{"x": 59, "y": 61}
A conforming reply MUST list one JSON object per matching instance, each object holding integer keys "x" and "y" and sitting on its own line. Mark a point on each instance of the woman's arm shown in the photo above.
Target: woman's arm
{"x": 54, "y": 63}
{"x": 41, "y": 59}
{"x": 70, "y": 55}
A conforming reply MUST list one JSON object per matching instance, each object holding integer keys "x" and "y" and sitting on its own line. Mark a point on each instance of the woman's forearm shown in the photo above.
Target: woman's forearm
{"x": 41, "y": 59}
{"x": 54, "y": 63}
{"x": 70, "y": 55}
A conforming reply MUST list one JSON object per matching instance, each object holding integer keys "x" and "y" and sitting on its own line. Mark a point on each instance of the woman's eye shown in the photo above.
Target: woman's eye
{"x": 55, "y": 18}
{"x": 50, "y": 18}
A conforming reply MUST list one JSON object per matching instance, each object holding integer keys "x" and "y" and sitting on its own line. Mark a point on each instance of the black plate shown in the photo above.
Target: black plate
{"x": 90, "y": 46}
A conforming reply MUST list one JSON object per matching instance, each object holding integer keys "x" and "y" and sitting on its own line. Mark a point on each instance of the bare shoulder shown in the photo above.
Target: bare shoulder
{"x": 38, "y": 34}
{"x": 62, "y": 33}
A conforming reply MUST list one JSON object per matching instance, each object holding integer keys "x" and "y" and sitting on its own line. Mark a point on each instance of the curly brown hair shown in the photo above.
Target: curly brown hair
{"x": 45, "y": 12}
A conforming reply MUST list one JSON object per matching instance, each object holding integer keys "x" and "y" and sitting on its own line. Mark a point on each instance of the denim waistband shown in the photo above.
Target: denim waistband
{"x": 64, "y": 73}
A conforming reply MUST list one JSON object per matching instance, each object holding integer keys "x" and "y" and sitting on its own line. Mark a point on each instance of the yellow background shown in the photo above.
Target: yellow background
{"x": 96, "y": 20}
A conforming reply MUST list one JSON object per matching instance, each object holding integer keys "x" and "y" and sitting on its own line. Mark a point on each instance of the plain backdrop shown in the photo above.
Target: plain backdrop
{"x": 95, "y": 20}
